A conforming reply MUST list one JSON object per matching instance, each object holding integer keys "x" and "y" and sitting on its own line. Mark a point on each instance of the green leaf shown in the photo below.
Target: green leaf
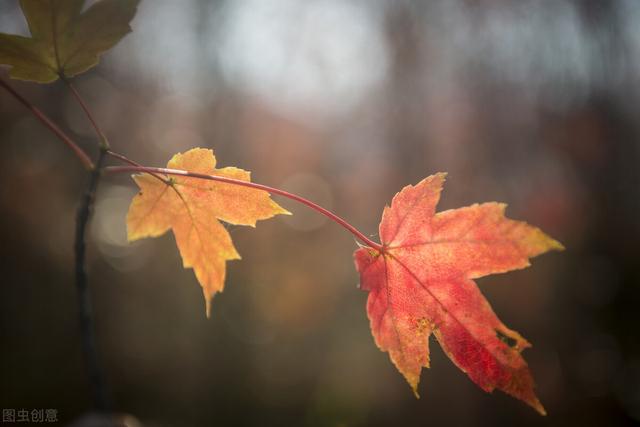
{"x": 64, "y": 41}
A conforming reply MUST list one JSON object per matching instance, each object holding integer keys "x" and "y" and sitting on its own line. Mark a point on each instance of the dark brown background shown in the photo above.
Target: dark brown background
{"x": 533, "y": 103}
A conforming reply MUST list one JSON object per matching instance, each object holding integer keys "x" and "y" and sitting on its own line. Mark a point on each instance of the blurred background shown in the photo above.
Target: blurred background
{"x": 534, "y": 103}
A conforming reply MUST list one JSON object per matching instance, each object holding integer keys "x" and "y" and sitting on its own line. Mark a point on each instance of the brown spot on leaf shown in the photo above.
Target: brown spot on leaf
{"x": 422, "y": 325}
{"x": 511, "y": 342}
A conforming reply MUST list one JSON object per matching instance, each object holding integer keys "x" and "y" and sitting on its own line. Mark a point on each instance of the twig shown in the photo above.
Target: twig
{"x": 84, "y": 158}
{"x": 134, "y": 163}
{"x": 272, "y": 190}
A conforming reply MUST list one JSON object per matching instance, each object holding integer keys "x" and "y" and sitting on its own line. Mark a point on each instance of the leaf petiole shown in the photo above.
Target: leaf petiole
{"x": 104, "y": 143}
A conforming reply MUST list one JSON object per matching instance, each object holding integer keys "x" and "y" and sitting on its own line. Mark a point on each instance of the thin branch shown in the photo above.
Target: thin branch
{"x": 134, "y": 163}
{"x": 103, "y": 139}
{"x": 84, "y": 158}
{"x": 300, "y": 199}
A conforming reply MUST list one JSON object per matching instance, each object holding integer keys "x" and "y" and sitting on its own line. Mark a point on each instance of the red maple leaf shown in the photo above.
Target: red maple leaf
{"x": 421, "y": 283}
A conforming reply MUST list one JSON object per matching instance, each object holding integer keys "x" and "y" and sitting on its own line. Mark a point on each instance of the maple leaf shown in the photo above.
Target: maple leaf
{"x": 420, "y": 283}
{"x": 64, "y": 41}
{"x": 191, "y": 207}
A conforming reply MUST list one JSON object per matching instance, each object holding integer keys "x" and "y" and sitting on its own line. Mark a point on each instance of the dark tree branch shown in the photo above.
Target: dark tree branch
{"x": 96, "y": 376}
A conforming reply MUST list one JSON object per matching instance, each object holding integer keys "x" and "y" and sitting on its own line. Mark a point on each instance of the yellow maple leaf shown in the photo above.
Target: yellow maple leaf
{"x": 191, "y": 207}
